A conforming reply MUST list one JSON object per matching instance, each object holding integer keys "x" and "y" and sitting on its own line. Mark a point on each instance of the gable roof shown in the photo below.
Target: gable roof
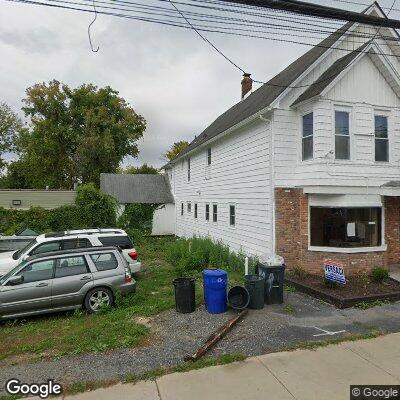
{"x": 268, "y": 92}
{"x": 137, "y": 188}
{"x": 329, "y": 75}
{"x": 265, "y": 94}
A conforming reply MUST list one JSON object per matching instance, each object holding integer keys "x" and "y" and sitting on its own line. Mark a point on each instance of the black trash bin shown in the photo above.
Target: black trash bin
{"x": 255, "y": 286}
{"x": 185, "y": 299}
{"x": 238, "y": 298}
{"x": 274, "y": 276}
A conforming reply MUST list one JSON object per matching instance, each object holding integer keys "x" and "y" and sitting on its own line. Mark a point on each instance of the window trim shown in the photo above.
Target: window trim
{"x": 379, "y": 113}
{"x": 216, "y": 214}
{"x": 349, "y": 250}
{"x": 233, "y": 226}
{"x": 348, "y": 110}
{"x": 304, "y": 137}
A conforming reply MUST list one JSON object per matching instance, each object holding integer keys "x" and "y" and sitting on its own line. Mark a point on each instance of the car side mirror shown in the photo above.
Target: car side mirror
{"x": 15, "y": 280}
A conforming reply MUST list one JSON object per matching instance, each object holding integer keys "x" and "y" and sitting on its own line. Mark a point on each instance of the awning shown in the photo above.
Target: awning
{"x": 345, "y": 200}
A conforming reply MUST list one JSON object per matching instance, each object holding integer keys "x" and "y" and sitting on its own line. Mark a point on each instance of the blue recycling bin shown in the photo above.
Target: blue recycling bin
{"x": 215, "y": 283}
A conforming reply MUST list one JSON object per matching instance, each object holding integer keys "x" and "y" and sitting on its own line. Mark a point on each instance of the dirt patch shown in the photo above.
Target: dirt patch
{"x": 356, "y": 290}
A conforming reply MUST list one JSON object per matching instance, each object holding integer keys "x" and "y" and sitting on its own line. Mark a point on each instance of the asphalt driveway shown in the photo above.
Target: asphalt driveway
{"x": 300, "y": 319}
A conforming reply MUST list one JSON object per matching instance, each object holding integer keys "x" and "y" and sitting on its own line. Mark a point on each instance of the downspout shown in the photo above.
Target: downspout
{"x": 272, "y": 179}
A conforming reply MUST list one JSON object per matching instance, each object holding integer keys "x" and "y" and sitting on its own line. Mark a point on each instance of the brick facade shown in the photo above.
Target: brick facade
{"x": 291, "y": 208}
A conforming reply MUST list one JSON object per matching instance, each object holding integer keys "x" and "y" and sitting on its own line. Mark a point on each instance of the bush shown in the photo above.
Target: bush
{"x": 92, "y": 209}
{"x": 196, "y": 254}
{"x": 137, "y": 216}
{"x": 379, "y": 274}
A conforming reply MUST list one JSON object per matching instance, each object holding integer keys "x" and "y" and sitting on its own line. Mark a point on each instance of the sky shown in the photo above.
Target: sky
{"x": 177, "y": 82}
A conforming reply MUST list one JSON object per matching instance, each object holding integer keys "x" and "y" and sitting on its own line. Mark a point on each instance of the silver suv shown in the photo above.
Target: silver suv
{"x": 65, "y": 280}
{"x": 73, "y": 240}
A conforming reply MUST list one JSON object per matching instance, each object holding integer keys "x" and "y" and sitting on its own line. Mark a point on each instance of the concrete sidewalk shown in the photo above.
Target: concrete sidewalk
{"x": 325, "y": 373}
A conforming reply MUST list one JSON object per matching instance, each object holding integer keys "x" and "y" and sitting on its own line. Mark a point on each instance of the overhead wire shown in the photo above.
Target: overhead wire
{"x": 192, "y": 26}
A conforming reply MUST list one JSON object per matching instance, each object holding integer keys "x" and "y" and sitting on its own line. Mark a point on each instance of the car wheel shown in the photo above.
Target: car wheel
{"x": 98, "y": 298}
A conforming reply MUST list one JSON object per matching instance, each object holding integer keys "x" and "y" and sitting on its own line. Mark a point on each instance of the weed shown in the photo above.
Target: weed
{"x": 365, "y": 305}
{"x": 290, "y": 289}
{"x": 297, "y": 272}
{"x": 379, "y": 274}
{"x": 289, "y": 309}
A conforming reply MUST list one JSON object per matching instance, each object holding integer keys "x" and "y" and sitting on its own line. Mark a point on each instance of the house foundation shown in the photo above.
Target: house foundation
{"x": 293, "y": 236}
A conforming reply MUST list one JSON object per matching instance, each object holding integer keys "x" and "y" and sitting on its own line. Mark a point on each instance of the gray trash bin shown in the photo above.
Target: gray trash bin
{"x": 272, "y": 269}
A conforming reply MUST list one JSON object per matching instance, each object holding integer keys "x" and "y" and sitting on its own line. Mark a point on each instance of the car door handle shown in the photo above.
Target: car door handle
{"x": 42, "y": 284}
{"x": 85, "y": 278}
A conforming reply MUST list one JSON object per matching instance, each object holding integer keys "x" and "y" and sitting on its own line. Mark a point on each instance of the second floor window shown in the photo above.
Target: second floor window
{"x": 215, "y": 213}
{"x": 188, "y": 169}
{"x": 195, "y": 210}
{"x": 181, "y": 208}
{"x": 307, "y": 137}
{"x": 381, "y": 138}
{"x": 209, "y": 156}
{"x": 207, "y": 212}
{"x": 342, "y": 135}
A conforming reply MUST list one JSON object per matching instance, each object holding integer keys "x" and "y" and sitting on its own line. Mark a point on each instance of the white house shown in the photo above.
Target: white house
{"x": 308, "y": 165}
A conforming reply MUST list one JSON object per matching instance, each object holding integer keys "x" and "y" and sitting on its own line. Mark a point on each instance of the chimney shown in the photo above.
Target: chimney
{"x": 247, "y": 85}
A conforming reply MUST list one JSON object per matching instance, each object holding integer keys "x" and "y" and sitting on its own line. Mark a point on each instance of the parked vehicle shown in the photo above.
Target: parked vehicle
{"x": 73, "y": 240}
{"x": 65, "y": 280}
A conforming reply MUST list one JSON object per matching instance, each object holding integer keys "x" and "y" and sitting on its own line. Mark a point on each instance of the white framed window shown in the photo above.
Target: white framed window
{"x": 307, "y": 140}
{"x": 207, "y": 212}
{"x": 232, "y": 215}
{"x": 188, "y": 169}
{"x": 182, "y": 208}
{"x": 215, "y": 213}
{"x": 209, "y": 156}
{"x": 189, "y": 207}
{"x": 342, "y": 135}
{"x": 381, "y": 138}
{"x": 195, "y": 210}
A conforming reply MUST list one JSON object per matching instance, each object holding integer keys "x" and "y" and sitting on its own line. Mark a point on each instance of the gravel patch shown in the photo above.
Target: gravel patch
{"x": 175, "y": 335}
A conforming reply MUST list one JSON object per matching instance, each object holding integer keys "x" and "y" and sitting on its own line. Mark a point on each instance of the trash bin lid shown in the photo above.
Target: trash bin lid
{"x": 214, "y": 272}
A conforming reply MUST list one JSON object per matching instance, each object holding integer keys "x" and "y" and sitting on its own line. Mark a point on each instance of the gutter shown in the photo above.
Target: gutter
{"x": 239, "y": 125}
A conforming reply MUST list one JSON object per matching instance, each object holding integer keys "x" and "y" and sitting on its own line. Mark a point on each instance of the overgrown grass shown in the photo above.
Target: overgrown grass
{"x": 75, "y": 333}
{"x": 56, "y": 335}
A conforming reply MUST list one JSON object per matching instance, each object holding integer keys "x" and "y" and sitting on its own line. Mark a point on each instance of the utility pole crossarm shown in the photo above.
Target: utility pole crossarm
{"x": 316, "y": 10}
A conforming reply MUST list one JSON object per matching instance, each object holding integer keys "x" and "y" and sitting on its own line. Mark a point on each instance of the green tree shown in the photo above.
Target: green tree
{"x": 175, "y": 149}
{"x": 75, "y": 134}
{"x": 143, "y": 169}
{"x": 10, "y": 126}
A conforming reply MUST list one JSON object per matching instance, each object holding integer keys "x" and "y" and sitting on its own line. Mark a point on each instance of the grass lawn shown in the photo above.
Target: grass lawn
{"x": 74, "y": 333}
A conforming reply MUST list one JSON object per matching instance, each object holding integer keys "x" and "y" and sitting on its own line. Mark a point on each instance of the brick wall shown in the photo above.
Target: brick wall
{"x": 292, "y": 236}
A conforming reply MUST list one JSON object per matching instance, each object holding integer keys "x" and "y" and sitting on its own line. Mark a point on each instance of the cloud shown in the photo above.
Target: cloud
{"x": 169, "y": 75}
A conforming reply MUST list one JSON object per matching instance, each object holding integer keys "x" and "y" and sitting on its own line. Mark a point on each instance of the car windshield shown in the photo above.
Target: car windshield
{"x": 24, "y": 250}
{"x": 10, "y": 273}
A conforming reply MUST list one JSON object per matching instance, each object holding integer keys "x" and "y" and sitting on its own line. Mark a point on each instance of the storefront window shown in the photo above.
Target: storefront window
{"x": 346, "y": 227}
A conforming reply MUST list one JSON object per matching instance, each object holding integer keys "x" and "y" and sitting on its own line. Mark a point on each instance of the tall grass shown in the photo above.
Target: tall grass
{"x": 196, "y": 254}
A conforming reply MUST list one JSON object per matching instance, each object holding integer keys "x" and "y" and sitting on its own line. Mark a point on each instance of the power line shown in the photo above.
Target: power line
{"x": 190, "y": 26}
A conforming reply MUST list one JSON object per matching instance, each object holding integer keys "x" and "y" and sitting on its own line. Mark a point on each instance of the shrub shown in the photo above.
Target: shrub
{"x": 196, "y": 254}
{"x": 92, "y": 209}
{"x": 379, "y": 274}
{"x": 297, "y": 272}
{"x": 137, "y": 216}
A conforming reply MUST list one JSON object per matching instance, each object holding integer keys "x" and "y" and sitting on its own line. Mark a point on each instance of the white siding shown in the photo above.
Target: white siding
{"x": 239, "y": 175}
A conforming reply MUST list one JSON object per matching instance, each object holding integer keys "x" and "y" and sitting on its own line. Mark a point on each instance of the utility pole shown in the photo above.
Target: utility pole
{"x": 316, "y": 10}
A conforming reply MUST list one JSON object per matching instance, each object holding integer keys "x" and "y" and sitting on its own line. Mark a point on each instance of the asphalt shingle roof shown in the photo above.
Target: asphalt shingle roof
{"x": 137, "y": 188}
{"x": 266, "y": 94}
{"x": 329, "y": 75}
